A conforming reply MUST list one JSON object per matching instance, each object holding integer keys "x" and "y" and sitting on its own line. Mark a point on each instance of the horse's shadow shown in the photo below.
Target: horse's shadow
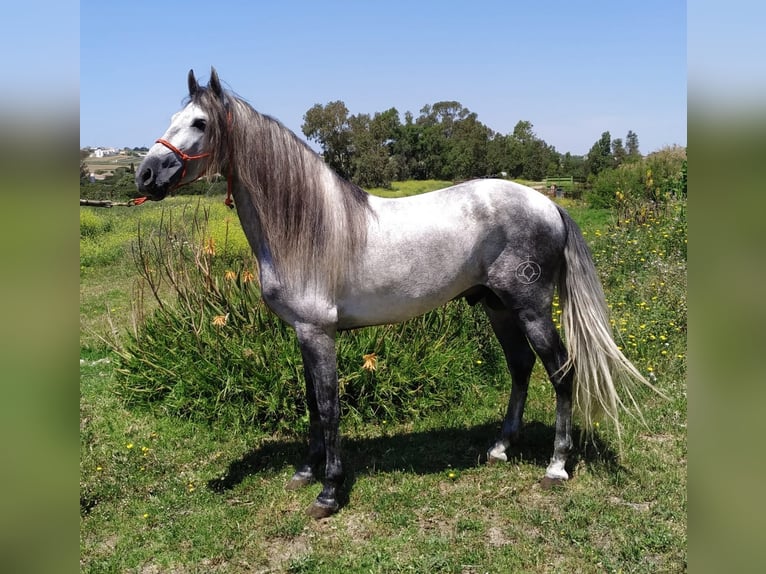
{"x": 421, "y": 453}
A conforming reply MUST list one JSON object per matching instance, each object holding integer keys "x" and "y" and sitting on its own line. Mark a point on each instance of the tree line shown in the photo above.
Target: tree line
{"x": 448, "y": 142}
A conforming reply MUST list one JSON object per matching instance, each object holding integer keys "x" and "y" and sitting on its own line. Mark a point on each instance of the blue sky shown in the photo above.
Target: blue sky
{"x": 573, "y": 69}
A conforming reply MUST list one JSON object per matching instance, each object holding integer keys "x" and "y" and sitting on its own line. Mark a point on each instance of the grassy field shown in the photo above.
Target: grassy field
{"x": 162, "y": 494}
{"x": 103, "y": 166}
{"x": 411, "y": 187}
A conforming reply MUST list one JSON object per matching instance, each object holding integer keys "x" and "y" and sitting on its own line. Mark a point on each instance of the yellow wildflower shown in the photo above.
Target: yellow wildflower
{"x": 220, "y": 320}
{"x": 210, "y": 247}
{"x": 230, "y": 275}
{"x": 370, "y": 362}
{"x": 247, "y": 277}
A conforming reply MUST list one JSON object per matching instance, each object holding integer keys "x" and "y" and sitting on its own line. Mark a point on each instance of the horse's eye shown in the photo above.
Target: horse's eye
{"x": 200, "y": 124}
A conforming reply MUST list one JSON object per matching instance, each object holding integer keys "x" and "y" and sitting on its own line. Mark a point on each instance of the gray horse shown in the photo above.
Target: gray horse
{"x": 331, "y": 257}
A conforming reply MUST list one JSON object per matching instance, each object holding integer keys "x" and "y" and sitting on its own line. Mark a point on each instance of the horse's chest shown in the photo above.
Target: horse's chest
{"x": 299, "y": 307}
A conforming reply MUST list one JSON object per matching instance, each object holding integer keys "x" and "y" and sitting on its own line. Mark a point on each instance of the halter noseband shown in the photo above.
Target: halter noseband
{"x": 185, "y": 157}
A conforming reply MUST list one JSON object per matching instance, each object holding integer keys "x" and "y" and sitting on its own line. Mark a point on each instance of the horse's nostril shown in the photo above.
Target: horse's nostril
{"x": 146, "y": 175}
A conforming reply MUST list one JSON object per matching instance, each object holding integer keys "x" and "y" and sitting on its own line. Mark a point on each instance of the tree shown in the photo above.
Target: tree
{"x": 329, "y": 127}
{"x": 573, "y": 165}
{"x": 631, "y": 146}
{"x": 522, "y": 131}
{"x": 528, "y": 156}
{"x": 446, "y": 141}
{"x": 467, "y": 148}
{"x": 540, "y": 160}
{"x": 445, "y": 114}
{"x": 84, "y": 173}
{"x": 498, "y": 151}
{"x": 371, "y": 146}
{"x": 600, "y": 155}
{"x": 436, "y": 125}
{"x": 618, "y": 152}
{"x": 404, "y": 149}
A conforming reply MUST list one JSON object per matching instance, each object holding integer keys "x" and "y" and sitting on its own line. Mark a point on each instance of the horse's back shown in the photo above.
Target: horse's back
{"x": 493, "y": 213}
{"x": 483, "y": 200}
{"x": 424, "y": 250}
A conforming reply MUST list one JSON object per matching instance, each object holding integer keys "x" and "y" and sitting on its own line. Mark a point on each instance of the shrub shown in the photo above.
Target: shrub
{"x": 642, "y": 263}
{"x": 216, "y": 353}
{"x": 611, "y": 184}
{"x": 93, "y": 225}
{"x": 213, "y": 352}
{"x": 103, "y": 241}
{"x": 228, "y": 239}
{"x": 641, "y": 185}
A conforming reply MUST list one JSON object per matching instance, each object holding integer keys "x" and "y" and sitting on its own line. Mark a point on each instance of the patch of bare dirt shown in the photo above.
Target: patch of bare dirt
{"x": 497, "y": 537}
{"x": 360, "y": 526}
{"x": 282, "y": 551}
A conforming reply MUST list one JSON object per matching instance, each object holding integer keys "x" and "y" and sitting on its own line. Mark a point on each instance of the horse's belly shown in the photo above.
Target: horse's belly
{"x": 384, "y": 307}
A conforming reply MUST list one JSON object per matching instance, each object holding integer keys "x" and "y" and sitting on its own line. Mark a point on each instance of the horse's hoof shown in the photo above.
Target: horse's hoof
{"x": 317, "y": 510}
{"x": 496, "y": 455}
{"x": 548, "y": 483}
{"x": 298, "y": 481}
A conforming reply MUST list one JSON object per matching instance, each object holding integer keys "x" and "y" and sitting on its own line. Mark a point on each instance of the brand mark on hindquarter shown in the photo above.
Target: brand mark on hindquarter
{"x": 528, "y": 271}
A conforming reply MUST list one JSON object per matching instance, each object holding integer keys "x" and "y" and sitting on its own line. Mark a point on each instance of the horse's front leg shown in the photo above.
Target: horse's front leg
{"x": 306, "y": 472}
{"x": 318, "y": 350}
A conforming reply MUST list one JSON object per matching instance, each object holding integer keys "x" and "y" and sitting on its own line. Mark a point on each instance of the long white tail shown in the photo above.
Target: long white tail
{"x": 599, "y": 365}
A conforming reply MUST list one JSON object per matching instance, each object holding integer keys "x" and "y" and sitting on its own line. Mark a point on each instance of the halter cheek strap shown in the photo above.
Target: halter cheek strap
{"x": 186, "y": 157}
{"x": 183, "y": 155}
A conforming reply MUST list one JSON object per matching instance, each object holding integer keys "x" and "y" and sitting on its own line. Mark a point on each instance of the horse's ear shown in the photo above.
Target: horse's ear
{"x": 215, "y": 84}
{"x": 193, "y": 85}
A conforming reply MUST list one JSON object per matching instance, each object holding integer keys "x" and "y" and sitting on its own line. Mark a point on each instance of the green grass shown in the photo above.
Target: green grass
{"x": 161, "y": 493}
{"x": 410, "y": 187}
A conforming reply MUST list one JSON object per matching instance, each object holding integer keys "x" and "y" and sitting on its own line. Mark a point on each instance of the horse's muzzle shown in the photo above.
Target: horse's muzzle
{"x": 156, "y": 176}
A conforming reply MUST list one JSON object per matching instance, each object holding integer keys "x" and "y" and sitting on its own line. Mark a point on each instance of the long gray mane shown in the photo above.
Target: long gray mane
{"x": 313, "y": 222}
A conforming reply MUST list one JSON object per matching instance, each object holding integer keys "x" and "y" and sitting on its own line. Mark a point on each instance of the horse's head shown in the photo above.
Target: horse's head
{"x": 180, "y": 155}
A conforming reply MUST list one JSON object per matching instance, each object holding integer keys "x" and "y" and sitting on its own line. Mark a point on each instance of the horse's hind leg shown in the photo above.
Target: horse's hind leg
{"x": 520, "y": 359}
{"x": 542, "y": 335}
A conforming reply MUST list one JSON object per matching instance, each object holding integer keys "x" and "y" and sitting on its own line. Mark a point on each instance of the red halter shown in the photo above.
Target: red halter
{"x": 183, "y": 155}
{"x": 186, "y": 157}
